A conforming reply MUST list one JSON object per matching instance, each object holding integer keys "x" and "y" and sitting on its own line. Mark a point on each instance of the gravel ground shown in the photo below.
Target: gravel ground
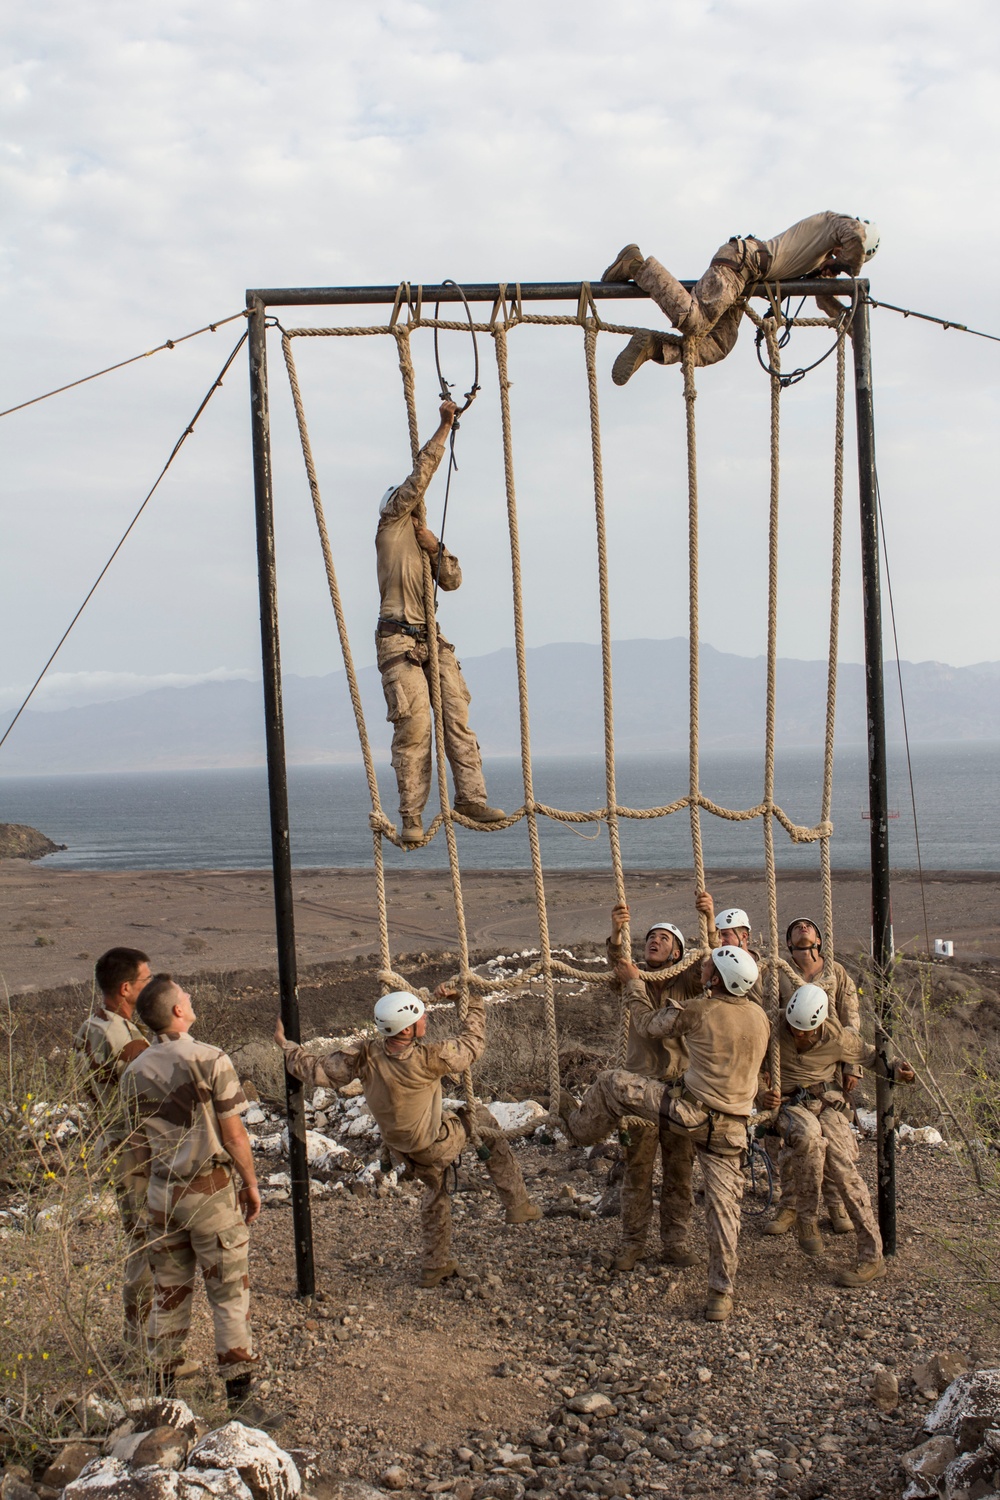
{"x": 471, "y": 1389}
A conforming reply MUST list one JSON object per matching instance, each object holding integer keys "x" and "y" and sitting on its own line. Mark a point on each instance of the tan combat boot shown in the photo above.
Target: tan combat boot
{"x": 630, "y": 1253}
{"x": 480, "y": 812}
{"x": 869, "y": 1270}
{"x": 679, "y": 1255}
{"x": 413, "y": 830}
{"x": 840, "y": 1219}
{"x": 524, "y": 1213}
{"x": 810, "y": 1239}
{"x": 719, "y": 1307}
{"x": 782, "y": 1223}
{"x": 640, "y": 347}
{"x": 624, "y": 265}
{"x": 434, "y": 1275}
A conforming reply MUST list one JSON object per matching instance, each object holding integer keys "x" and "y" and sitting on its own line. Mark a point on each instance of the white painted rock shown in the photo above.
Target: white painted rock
{"x": 321, "y": 1150}
{"x": 968, "y": 1408}
{"x": 111, "y": 1479}
{"x": 165, "y": 1411}
{"x": 265, "y": 1469}
{"x": 254, "y": 1115}
{"x": 271, "y": 1145}
{"x": 514, "y": 1116}
{"x": 212, "y": 1484}
{"x": 167, "y": 1447}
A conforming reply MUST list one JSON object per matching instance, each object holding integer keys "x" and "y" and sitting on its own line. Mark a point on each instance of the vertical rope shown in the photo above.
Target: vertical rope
{"x": 610, "y": 787}
{"x": 531, "y": 816}
{"x": 832, "y": 659}
{"x": 694, "y": 790}
{"x": 409, "y": 391}
{"x": 345, "y": 646}
{"x": 774, "y": 1060}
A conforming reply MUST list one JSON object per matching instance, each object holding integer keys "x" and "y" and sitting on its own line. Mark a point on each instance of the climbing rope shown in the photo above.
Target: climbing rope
{"x": 406, "y": 319}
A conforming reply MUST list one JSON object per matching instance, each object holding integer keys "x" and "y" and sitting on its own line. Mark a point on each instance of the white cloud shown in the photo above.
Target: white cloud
{"x": 155, "y": 160}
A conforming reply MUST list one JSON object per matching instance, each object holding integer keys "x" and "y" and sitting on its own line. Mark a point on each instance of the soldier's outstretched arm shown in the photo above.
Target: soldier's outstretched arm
{"x": 237, "y": 1143}
{"x": 458, "y": 1053}
{"x": 332, "y": 1069}
{"x": 413, "y": 488}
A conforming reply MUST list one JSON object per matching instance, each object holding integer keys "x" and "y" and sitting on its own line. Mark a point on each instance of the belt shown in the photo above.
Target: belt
{"x": 401, "y": 627}
{"x": 208, "y": 1182}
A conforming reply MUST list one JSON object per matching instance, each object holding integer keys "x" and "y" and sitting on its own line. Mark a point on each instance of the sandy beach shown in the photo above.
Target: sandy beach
{"x": 57, "y": 922}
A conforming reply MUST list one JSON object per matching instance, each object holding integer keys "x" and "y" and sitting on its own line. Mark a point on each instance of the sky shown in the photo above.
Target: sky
{"x": 156, "y": 160}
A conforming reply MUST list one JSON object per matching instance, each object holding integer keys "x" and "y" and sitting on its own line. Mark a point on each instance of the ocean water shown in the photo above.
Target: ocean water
{"x": 218, "y": 819}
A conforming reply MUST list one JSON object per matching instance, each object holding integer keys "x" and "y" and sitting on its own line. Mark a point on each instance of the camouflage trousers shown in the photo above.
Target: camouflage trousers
{"x": 708, "y": 312}
{"x": 435, "y": 1206}
{"x": 718, "y": 1139}
{"x": 406, "y": 682}
{"x": 818, "y": 1144}
{"x": 676, "y": 1195}
{"x": 188, "y": 1231}
{"x": 130, "y": 1187}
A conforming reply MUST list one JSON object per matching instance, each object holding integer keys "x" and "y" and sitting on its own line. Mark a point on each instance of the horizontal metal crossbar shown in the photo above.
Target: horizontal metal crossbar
{"x": 528, "y": 291}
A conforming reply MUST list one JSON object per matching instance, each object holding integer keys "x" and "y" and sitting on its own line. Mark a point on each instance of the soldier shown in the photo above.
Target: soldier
{"x": 824, "y": 245}
{"x": 664, "y": 947}
{"x": 109, "y": 1039}
{"x": 401, "y": 1075}
{"x": 726, "y": 1037}
{"x": 805, "y": 948}
{"x": 187, "y": 1100}
{"x": 813, "y": 1124}
{"x": 404, "y": 658}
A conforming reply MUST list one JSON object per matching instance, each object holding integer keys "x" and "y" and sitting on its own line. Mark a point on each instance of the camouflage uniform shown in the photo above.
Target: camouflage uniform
{"x": 711, "y": 311}
{"x": 403, "y": 657}
{"x": 726, "y": 1037}
{"x": 178, "y": 1090}
{"x": 816, "y": 1136}
{"x": 403, "y": 1092}
{"x": 109, "y": 1042}
{"x": 664, "y": 1060}
{"x": 846, "y": 1007}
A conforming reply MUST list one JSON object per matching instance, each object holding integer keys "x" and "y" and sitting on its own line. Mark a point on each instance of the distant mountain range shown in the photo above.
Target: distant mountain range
{"x": 220, "y": 724}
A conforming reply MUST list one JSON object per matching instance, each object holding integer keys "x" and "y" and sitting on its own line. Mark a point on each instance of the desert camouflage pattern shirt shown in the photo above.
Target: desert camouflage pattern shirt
{"x": 109, "y": 1042}
{"x": 177, "y": 1091}
{"x": 399, "y": 556}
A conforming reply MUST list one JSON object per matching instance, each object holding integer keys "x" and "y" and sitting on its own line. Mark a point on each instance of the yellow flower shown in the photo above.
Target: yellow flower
{"x": 45, "y": 1354}
{"x": 51, "y": 1176}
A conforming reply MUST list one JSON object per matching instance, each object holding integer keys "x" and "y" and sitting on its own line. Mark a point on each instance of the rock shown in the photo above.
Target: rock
{"x": 463, "y": 1489}
{"x": 69, "y": 1463}
{"x": 704, "y": 1375}
{"x": 165, "y": 1446}
{"x": 577, "y": 1454}
{"x": 517, "y": 1116}
{"x": 501, "y": 1487}
{"x": 18, "y": 841}
{"x": 395, "y": 1478}
{"x": 165, "y": 1411}
{"x": 884, "y": 1389}
{"x": 928, "y": 1461}
{"x": 789, "y": 1469}
{"x": 357, "y": 1489}
{"x": 254, "y": 1115}
{"x": 938, "y": 1372}
{"x": 970, "y": 1475}
{"x": 110, "y": 1479}
{"x": 15, "y": 1486}
{"x": 591, "y": 1404}
{"x": 211, "y": 1484}
{"x": 266, "y": 1470}
{"x": 969, "y": 1406}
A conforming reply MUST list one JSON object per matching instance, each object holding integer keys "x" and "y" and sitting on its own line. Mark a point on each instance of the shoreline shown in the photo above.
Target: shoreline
{"x": 198, "y": 921}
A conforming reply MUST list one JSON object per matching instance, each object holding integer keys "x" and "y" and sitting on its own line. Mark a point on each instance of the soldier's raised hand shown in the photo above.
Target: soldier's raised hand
{"x": 619, "y": 916}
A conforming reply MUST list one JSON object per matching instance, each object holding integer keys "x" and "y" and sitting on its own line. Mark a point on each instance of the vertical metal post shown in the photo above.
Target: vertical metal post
{"x": 277, "y": 785}
{"x": 878, "y": 789}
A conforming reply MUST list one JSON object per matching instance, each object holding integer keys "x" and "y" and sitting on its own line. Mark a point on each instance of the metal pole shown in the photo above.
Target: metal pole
{"x": 277, "y": 786}
{"x": 878, "y": 786}
{"x": 527, "y": 291}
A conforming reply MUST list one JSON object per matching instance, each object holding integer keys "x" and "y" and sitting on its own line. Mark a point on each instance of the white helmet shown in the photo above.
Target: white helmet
{"x": 397, "y": 1011}
{"x": 871, "y": 237}
{"x": 668, "y": 927}
{"x": 732, "y": 917}
{"x": 386, "y": 498}
{"x": 738, "y": 970}
{"x": 808, "y": 1008}
{"x": 795, "y": 922}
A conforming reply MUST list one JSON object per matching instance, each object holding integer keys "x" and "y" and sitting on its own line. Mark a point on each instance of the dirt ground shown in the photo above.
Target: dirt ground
{"x": 58, "y": 921}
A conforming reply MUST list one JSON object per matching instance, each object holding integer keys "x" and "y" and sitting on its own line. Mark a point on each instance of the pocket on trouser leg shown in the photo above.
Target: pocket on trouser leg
{"x": 232, "y": 1256}
{"x": 397, "y": 699}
